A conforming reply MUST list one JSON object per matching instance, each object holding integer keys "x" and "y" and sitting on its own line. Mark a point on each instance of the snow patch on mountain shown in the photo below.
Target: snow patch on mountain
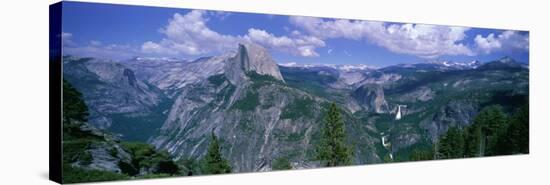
{"x": 458, "y": 65}
{"x": 340, "y": 67}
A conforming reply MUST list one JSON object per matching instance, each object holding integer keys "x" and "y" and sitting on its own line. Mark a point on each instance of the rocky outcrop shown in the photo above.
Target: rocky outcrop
{"x": 110, "y": 88}
{"x": 250, "y": 58}
{"x": 259, "y": 60}
{"x": 100, "y": 151}
{"x": 422, "y": 94}
{"x": 371, "y": 97}
{"x": 105, "y": 157}
{"x": 171, "y": 76}
{"x": 404, "y": 140}
{"x": 457, "y": 113}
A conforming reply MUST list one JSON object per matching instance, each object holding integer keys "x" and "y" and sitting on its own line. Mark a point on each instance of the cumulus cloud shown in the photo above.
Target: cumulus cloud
{"x": 66, "y": 39}
{"x": 506, "y": 41}
{"x": 300, "y": 45}
{"x": 220, "y": 14}
{"x": 427, "y": 41}
{"x": 189, "y": 35}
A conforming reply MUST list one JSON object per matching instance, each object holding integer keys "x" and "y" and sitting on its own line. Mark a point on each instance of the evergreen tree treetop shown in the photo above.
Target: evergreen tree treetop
{"x": 333, "y": 150}
{"x": 213, "y": 161}
{"x": 74, "y": 107}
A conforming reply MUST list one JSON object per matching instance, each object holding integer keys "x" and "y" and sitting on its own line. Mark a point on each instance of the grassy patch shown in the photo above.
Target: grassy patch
{"x": 75, "y": 175}
{"x": 281, "y": 163}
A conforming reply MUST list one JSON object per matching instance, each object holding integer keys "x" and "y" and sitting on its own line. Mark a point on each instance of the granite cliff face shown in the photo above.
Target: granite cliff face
{"x": 255, "y": 114}
{"x": 257, "y": 59}
{"x": 171, "y": 76}
{"x": 116, "y": 98}
{"x": 250, "y": 58}
{"x": 100, "y": 152}
{"x": 371, "y": 98}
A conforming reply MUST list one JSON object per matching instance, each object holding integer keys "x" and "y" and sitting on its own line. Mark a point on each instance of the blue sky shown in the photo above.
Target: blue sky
{"x": 121, "y": 32}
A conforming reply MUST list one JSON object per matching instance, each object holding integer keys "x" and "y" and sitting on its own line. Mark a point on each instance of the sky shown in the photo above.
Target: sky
{"x": 120, "y": 32}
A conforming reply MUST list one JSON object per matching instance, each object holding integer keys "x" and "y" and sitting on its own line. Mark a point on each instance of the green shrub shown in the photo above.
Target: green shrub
{"x": 144, "y": 155}
{"x": 248, "y": 103}
{"x": 75, "y": 175}
{"x": 281, "y": 163}
{"x": 154, "y": 176}
{"x": 216, "y": 79}
{"x": 301, "y": 107}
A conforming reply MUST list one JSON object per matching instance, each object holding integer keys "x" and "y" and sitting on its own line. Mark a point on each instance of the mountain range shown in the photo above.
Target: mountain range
{"x": 262, "y": 111}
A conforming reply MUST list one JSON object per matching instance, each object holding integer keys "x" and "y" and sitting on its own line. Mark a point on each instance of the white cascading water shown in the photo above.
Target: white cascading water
{"x": 398, "y": 116}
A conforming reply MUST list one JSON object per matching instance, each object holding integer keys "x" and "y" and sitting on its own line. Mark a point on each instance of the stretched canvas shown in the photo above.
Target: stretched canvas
{"x": 142, "y": 92}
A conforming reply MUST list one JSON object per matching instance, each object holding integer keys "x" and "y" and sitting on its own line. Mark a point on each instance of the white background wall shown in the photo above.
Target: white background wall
{"x": 24, "y": 90}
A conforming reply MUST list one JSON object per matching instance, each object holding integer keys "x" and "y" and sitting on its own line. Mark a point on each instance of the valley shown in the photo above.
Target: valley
{"x": 262, "y": 112}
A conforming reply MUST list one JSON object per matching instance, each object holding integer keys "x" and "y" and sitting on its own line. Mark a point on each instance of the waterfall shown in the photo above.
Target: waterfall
{"x": 398, "y": 115}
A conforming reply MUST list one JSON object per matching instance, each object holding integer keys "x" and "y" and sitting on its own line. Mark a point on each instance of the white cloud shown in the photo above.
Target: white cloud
{"x": 347, "y": 53}
{"x": 299, "y": 45}
{"x": 189, "y": 35}
{"x": 66, "y": 39}
{"x": 66, "y": 36}
{"x": 427, "y": 41}
{"x": 220, "y": 14}
{"x": 151, "y": 47}
{"x": 507, "y": 40}
{"x": 95, "y": 43}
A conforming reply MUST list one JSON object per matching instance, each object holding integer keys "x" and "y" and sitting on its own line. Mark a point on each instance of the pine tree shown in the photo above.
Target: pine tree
{"x": 472, "y": 141}
{"x": 519, "y": 130}
{"x": 515, "y": 139}
{"x": 333, "y": 150}
{"x": 74, "y": 107}
{"x": 75, "y": 112}
{"x": 451, "y": 145}
{"x": 281, "y": 163}
{"x": 492, "y": 121}
{"x": 421, "y": 154}
{"x": 213, "y": 161}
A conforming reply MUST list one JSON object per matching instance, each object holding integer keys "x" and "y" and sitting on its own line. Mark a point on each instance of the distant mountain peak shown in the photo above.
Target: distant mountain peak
{"x": 166, "y": 59}
{"x": 340, "y": 67}
{"x": 507, "y": 59}
{"x": 504, "y": 63}
{"x": 349, "y": 67}
{"x": 255, "y": 58}
{"x": 459, "y": 65}
{"x": 289, "y": 64}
